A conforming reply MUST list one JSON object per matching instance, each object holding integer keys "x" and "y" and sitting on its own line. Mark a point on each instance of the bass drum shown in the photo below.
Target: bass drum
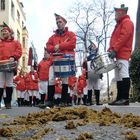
{"x": 64, "y": 67}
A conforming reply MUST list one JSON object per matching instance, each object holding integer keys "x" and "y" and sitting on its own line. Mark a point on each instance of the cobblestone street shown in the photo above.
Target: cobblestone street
{"x": 58, "y": 130}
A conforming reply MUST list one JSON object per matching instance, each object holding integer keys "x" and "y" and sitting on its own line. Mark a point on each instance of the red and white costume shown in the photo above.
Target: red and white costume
{"x": 31, "y": 80}
{"x": 20, "y": 85}
{"x": 43, "y": 74}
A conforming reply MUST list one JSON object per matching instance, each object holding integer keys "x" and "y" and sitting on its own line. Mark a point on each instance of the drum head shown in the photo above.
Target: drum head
{"x": 105, "y": 69}
{"x": 103, "y": 64}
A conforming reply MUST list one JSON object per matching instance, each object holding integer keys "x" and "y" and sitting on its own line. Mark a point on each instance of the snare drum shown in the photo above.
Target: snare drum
{"x": 103, "y": 64}
{"x": 7, "y": 66}
{"x": 64, "y": 67}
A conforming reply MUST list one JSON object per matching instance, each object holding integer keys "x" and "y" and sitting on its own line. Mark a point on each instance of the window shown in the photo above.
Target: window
{"x": 24, "y": 42}
{"x": 2, "y": 6}
{"x": 23, "y": 61}
{"x": 18, "y": 35}
{"x": 12, "y": 9}
{"x": 22, "y": 24}
{"x": 18, "y": 16}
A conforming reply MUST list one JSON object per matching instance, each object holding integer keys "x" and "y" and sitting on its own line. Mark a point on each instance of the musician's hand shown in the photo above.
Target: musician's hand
{"x": 56, "y": 47}
{"x": 12, "y": 59}
{"x": 112, "y": 54}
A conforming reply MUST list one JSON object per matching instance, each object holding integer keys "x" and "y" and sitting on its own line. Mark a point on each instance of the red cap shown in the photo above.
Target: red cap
{"x": 6, "y": 28}
{"x": 60, "y": 17}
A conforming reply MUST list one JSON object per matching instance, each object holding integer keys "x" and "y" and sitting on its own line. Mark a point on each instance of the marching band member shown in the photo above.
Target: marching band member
{"x": 58, "y": 90}
{"x": 81, "y": 84}
{"x": 19, "y": 80}
{"x": 26, "y": 94}
{"x": 43, "y": 74}
{"x": 72, "y": 88}
{"x": 84, "y": 98}
{"x": 94, "y": 82}
{"x": 11, "y": 50}
{"x": 120, "y": 48}
{"x": 93, "y": 79}
{"x": 62, "y": 41}
{"x": 31, "y": 80}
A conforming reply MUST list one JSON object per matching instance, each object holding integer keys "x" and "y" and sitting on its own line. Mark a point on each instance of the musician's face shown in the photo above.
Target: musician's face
{"x": 5, "y": 33}
{"x": 32, "y": 68}
{"x": 119, "y": 14}
{"x": 46, "y": 54}
{"x": 60, "y": 24}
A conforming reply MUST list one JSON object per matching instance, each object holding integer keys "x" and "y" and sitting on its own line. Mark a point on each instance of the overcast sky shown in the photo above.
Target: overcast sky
{"x": 40, "y": 20}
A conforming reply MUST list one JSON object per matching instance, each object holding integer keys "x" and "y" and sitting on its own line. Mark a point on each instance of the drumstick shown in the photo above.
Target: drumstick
{"x": 4, "y": 61}
{"x": 64, "y": 41}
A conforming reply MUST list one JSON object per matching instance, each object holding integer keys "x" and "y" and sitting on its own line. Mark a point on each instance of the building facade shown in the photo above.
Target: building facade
{"x": 11, "y": 12}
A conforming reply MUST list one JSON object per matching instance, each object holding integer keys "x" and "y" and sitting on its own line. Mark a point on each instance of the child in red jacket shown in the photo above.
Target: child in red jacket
{"x": 81, "y": 84}
{"x": 20, "y": 87}
{"x": 71, "y": 89}
{"x": 43, "y": 74}
{"x": 58, "y": 90}
{"x": 31, "y": 80}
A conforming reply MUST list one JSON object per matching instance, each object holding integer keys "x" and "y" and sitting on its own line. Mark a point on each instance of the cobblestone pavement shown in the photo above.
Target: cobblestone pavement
{"x": 113, "y": 132}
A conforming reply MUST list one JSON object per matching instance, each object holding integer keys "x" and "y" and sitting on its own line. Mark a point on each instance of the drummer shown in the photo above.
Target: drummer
{"x": 10, "y": 50}
{"x": 120, "y": 48}
{"x": 93, "y": 79}
{"x": 62, "y": 41}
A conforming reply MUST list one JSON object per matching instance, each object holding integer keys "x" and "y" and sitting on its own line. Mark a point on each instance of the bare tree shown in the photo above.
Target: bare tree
{"x": 104, "y": 12}
{"x": 82, "y": 16}
{"x": 105, "y": 16}
{"x": 93, "y": 21}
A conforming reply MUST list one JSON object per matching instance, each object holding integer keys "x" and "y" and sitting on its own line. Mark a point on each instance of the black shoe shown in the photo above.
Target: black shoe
{"x": 39, "y": 105}
{"x": 121, "y": 102}
{"x": 112, "y": 103}
{"x": 69, "y": 104}
{"x": 8, "y": 106}
{"x": 99, "y": 104}
{"x": 89, "y": 104}
{"x": 63, "y": 104}
{"x": 43, "y": 106}
{"x": 49, "y": 104}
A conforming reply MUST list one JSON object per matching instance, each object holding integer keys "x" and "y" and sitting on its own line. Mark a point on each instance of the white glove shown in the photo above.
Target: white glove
{"x": 56, "y": 48}
{"x": 33, "y": 77}
{"x": 12, "y": 59}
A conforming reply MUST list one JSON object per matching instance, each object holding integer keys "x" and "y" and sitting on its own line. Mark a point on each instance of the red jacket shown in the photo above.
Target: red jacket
{"x": 20, "y": 83}
{"x": 58, "y": 87}
{"x": 43, "y": 69}
{"x": 10, "y": 48}
{"x": 66, "y": 41}
{"x": 31, "y": 80}
{"x": 72, "y": 82}
{"x": 81, "y": 84}
{"x": 122, "y": 38}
